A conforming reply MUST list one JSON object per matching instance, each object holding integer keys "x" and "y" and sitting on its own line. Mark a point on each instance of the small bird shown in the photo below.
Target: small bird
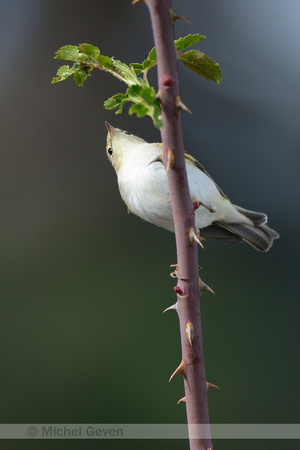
{"x": 143, "y": 185}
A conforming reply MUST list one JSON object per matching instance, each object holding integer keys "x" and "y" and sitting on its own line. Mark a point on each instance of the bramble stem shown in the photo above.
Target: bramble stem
{"x": 188, "y": 304}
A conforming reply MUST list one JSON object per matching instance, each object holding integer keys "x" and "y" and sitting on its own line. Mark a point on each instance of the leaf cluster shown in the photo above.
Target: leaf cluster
{"x": 86, "y": 57}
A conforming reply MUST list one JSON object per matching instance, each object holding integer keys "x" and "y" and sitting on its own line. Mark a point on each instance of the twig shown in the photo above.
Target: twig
{"x": 188, "y": 306}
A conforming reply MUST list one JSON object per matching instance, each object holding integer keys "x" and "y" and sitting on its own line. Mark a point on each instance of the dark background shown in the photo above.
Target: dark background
{"x": 83, "y": 284}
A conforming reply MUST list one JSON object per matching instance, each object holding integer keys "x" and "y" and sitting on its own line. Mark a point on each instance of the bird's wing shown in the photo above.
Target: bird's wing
{"x": 199, "y": 166}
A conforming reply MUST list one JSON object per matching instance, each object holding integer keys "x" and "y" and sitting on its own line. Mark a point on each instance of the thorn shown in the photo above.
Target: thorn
{"x": 181, "y": 400}
{"x": 189, "y": 332}
{"x": 171, "y": 307}
{"x": 174, "y": 17}
{"x": 170, "y": 159}
{"x": 194, "y": 238}
{"x": 210, "y": 385}
{"x": 134, "y": 2}
{"x": 180, "y": 369}
{"x": 179, "y": 105}
{"x": 203, "y": 287}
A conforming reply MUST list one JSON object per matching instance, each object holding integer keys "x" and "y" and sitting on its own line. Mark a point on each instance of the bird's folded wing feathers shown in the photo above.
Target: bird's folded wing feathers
{"x": 260, "y": 237}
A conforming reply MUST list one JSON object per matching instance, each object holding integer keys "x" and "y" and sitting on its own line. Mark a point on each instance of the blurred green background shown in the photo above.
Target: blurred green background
{"x": 84, "y": 284}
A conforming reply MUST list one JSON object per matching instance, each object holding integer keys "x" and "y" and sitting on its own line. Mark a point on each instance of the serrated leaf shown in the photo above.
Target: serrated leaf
{"x": 134, "y": 93}
{"x": 139, "y": 109}
{"x": 67, "y": 53}
{"x": 120, "y": 109}
{"x": 83, "y": 57}
{"x": 201, "y": 64}
{"x": 150, "y": 61}
{"x": 148, "y": 94}
{"x": 81, "y": 75}
{"x": 152, "y": 54}
{"x": 156, "y": 115}
{"x": 63, "y": 73}
{"x": 187, "y": 41}
{"x": 148, "y": 64}
{"x": 138, "y": 68}
{"x": 115, "y": 101}
{"x": 145, "y": 103}
{"x": 128, "y": 74}
{"x": 105, "y": 61}
{"x": 90, "y": 50}
{"x": 157, "y": 120}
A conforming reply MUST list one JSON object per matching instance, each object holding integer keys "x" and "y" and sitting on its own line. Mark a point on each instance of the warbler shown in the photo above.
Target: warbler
{"x": 143, "y": 185}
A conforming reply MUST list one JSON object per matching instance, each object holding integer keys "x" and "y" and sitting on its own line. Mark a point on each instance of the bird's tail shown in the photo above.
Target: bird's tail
{"x": 257, "y": 234}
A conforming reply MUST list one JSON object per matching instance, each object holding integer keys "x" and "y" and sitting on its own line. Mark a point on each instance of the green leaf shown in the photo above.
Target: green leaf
{"x": 180, "y": 44}
{"x": 63, "y": 73}
{"x": 120, "y": 109}
{"x": 152, "y": 54}
{"x": 115, "y": 101}
{"x": 139, "y": 109}
{"x": 150, "y": 61}
{"x": 202, "y": 65}
{"x": 79, "y": 72}
{"x": 129, "y": 76}
{"x": 87, "y": 57}
{"x": 67, "y": 53}
{"x": 138, "y": 68}
{"x": 81, "y": 75}
{"x": 145, "y": 103}
{"x": 148, "y": 64}
{"x": 83, "y": 58}
{"x": 90, "y": 50}
{"x": 105, "y": 61}
{"x": 187, "y": 41}
{"x": 134, "y": 93}
{"x": 148, "y": 95}
{"x": 156, "y": 115}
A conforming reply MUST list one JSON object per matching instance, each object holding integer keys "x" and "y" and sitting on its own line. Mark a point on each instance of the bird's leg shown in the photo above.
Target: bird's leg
{"x": 197, "y": 205}
{"x": 194, "y": 236}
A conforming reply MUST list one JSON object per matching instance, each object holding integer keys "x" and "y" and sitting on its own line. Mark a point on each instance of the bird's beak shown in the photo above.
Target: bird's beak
{"x": 112, "y": 131}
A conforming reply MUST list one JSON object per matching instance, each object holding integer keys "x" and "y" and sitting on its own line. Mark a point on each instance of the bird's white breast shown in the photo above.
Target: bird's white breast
{"x": 144, "y": 189}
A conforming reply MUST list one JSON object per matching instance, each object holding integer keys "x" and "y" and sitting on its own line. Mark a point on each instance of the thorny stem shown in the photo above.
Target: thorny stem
{"x": 183, "y": 214}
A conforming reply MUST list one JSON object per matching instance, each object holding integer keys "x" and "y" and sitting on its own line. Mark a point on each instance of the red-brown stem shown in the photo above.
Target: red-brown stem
{"x": 184, "y": 219}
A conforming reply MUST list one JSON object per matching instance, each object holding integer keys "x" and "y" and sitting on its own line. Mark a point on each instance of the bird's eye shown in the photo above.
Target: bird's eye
{"x": 127, "y": 132}
{"x": 110, "y": 151}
